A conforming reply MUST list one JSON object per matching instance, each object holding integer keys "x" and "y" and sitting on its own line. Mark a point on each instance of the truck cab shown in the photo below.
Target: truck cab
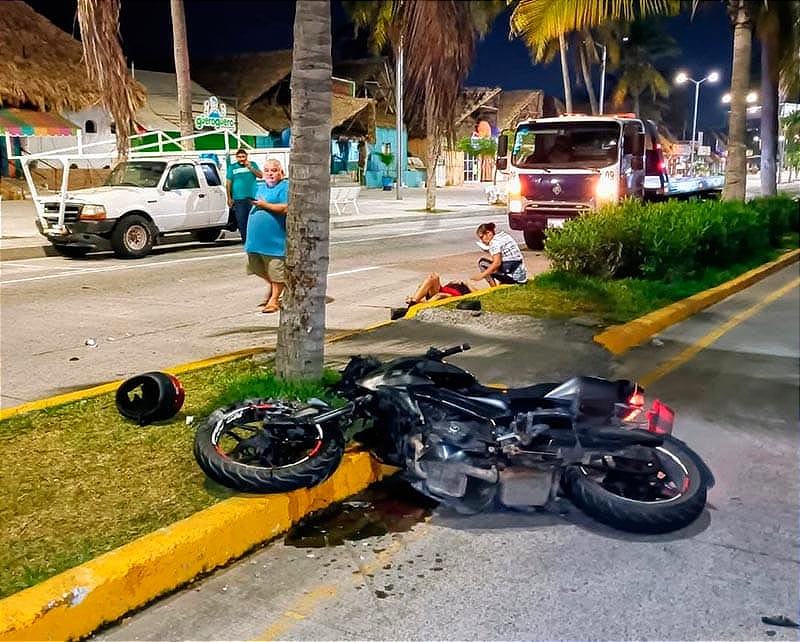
{"x": 565, "y": 166}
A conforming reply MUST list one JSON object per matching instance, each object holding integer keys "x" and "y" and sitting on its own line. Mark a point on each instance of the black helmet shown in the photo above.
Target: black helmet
{"x": 149, "y": 397}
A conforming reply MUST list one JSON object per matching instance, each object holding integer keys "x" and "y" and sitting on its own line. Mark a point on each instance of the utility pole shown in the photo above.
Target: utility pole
{"x": 398, "y": 108}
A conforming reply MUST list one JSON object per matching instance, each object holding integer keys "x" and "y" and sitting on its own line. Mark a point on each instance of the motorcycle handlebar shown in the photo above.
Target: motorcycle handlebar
{"x": 438, "y": 355}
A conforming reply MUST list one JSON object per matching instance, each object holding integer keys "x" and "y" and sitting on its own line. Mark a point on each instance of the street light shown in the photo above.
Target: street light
{"x": 603, "y": 72}
{"x": 680, "y": 79}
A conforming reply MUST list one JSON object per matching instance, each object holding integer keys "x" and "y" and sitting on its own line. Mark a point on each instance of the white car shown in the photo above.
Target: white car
{"x": 140, "y": 202}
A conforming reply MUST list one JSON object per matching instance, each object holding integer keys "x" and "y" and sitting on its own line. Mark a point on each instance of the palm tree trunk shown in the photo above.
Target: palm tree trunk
{"x": 301, "y": 334}
{"x": 736, "y": 168}
{"x": 562, "y": 45}
{"x": 769, "y": 36}
{"x": 181, "y": 50}
{"x": 431, "y": 148}
{"x": 587, "y": 79}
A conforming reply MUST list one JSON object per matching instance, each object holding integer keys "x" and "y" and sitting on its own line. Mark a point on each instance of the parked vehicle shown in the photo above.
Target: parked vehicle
{"x": 140, "y": 203}
{"x": 565, "y": 166}
{"x": 468, "y": 446}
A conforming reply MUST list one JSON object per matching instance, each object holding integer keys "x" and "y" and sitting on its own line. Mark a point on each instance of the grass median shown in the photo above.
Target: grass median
{"x": 79, "y": 480}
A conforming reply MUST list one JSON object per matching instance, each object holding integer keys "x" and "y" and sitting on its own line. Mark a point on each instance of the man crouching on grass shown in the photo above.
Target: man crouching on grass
{"x": 266, "y": 233}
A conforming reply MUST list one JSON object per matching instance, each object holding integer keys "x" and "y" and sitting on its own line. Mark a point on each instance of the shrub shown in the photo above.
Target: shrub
{"x": 670, "y": 240}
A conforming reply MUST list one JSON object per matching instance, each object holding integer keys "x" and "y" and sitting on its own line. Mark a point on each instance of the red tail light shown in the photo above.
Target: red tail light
{"x": 636, "y": 402}
{"x": 661, "y": 165}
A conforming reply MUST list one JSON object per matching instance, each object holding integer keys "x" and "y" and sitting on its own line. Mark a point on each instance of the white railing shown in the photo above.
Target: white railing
{"x": 68, "y": 155}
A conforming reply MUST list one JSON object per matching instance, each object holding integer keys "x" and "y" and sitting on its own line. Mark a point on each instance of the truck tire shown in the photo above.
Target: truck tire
{"x": 133, "y": 237}
{"x": 207, "y": 235}
{"x": 534, "y": 240}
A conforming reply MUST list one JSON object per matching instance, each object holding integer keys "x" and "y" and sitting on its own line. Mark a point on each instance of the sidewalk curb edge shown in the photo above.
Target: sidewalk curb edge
{"x": 621, "y": 338}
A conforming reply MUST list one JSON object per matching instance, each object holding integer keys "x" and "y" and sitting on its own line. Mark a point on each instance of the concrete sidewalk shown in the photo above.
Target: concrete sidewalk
{"x": 19, "y": 238}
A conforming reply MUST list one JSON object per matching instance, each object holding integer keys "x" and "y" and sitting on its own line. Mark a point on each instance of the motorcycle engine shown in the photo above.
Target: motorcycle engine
{"x": 453, "y": 425}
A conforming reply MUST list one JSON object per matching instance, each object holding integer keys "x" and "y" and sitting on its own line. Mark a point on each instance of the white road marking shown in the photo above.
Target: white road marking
{"x": 78, "y": 271}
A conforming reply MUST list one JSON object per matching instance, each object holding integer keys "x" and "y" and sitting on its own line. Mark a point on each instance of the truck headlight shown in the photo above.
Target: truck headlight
{"x": 92, "y": 213}
{"x": 514, "y": 186}
{"x": 607, "y": 187}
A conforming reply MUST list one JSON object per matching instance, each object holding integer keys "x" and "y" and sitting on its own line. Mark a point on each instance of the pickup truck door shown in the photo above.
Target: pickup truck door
{"x": 216, "y": 199}
{"x": 183, "y": 204}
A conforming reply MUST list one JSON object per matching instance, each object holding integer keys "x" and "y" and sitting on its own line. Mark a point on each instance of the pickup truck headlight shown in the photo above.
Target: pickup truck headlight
{"x": 92, "y": 213}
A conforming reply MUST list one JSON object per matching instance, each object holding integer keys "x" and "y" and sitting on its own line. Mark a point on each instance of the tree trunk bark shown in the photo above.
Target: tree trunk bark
{"x": 562, "y": 45}
{"x": 587, "y": 79}
{"x": 301, "y": 333}
{"x": 182, "y": 74}
{"x": 736, "y": 167}
{"x": 769, "y": 104}
{"x": 431, "y": 149}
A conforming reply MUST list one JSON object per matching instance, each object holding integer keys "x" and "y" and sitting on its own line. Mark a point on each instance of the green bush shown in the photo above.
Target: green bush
{"x": 670, "y": 240}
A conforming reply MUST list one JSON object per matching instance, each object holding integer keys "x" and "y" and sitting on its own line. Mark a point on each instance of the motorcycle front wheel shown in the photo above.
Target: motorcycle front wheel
{"x": 668, "y": 499}
{"x": 267, "y": 446}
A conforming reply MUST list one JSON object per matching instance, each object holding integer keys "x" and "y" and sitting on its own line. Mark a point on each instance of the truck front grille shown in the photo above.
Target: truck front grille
{"x": 71, "y": 212}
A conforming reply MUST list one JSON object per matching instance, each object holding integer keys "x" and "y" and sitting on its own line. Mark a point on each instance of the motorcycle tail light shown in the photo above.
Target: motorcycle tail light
{"x": 636, "y": 404}
{"x": 660, "y": 418}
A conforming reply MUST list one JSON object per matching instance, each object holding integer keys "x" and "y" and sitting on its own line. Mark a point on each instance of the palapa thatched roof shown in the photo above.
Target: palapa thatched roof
{"x": 160, "y": 110}
{"x": 517, "y": 105}
{"x": 353, "y": 116}
{"x": 246, "y": 77}
{"x": 41, "y": 66}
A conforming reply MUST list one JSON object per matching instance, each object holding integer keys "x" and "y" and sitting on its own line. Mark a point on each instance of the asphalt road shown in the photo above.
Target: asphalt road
{"x": 192, "y": 302}
{"x": 730, "y": 372}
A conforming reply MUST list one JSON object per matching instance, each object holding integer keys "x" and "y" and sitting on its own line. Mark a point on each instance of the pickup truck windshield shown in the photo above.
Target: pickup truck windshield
{"x": 574, "y": 145}
{"x": 136, "y": 174}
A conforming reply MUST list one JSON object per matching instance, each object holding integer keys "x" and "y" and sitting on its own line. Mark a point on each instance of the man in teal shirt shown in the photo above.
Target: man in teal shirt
{"x": 241, "y": 185}
{"x": 266, "y": 233}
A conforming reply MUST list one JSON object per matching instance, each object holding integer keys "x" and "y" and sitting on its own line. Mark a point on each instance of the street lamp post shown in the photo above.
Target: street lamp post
{"x": 681, "y": 78}
{"x": 603, "y": 79}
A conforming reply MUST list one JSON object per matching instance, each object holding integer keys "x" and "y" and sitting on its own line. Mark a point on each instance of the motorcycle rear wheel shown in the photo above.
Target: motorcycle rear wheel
{"x": 263, "y": 446}
{"x": 611, "y": 501}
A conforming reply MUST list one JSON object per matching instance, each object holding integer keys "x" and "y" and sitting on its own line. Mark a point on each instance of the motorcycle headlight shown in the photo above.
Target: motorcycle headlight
{"x": 92, "y": 213}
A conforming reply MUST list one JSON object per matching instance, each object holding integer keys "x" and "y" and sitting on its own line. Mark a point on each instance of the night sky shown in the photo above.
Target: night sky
{"x": 233, "y": 26}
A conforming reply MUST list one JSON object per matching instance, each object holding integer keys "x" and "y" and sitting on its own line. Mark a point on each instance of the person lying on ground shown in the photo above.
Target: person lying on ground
{"x": 507, "y": 264}
{"x": 431, "y": 289}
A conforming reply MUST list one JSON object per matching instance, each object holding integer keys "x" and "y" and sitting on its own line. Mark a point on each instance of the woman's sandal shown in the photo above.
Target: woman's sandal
{"x": 269, "y": 308}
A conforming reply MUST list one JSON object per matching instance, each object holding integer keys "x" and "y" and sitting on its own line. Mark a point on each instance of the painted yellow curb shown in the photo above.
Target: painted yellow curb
{"x": 415, "y": 309}
{"x": 78, "y": 395}
{"x": 621, "y": 338}
{"x": 77, "y": 602}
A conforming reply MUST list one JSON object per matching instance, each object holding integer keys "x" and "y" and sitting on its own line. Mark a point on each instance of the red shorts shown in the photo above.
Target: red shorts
{"x": 455, "y": 289}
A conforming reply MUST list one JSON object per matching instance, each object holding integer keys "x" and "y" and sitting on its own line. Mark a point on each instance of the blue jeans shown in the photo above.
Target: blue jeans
{"x": 241, "y": 210}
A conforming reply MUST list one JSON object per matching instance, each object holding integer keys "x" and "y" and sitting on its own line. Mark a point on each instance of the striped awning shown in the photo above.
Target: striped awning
{"x": 26, "y": 122}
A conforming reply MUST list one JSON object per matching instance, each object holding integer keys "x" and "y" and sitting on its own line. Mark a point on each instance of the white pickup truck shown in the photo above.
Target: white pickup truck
{"x": 140, "y": 203}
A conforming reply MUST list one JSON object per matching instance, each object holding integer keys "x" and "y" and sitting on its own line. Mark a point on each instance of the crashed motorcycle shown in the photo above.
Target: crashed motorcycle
{"x": 470, "y": 446}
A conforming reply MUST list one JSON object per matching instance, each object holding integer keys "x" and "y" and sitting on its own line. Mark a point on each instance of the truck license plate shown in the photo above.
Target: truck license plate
{"x": 555, "y": 222}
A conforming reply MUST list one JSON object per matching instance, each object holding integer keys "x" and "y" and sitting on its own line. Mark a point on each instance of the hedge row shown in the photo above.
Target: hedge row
{"x": 673, "y": 239}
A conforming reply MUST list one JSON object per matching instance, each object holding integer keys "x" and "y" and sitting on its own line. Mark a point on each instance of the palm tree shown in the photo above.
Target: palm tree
{"x": 182, "y": 74}
{"x": 778, "y": 29}
{"x": 645, "y": 47}
{"x": 443, "y": 36}
{"x": 301, "y": 333}
{"x": 541, "y": 22}
{"x": 105, "y": 63}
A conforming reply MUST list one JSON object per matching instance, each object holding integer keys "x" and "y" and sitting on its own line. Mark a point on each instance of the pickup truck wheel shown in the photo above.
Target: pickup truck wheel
{"x": 71, "y": 251}
{"x": 208, "y": 235}
{"x": 133, "y": 237}
{"x": 534, "y": 240}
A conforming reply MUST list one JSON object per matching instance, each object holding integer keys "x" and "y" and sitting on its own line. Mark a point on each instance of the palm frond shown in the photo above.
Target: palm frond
{"x": 105, "y": 63}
